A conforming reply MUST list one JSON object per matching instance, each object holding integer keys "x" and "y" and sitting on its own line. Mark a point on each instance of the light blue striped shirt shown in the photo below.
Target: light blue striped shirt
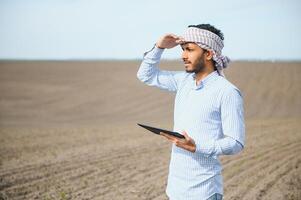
{"x": 211, "y": 113}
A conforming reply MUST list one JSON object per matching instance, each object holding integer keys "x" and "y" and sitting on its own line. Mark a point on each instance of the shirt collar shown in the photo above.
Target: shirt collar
{"x": 206, "y": 81}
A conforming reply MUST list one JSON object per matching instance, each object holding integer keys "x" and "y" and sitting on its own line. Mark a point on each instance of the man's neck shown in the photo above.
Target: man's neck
{"x": 202, "y": 74}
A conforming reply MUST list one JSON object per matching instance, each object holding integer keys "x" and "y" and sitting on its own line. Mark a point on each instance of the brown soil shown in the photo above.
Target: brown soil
{"x": 68, "y": 131}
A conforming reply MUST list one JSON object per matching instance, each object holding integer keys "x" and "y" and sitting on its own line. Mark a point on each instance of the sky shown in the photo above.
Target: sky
{"x": 116, "y": 29}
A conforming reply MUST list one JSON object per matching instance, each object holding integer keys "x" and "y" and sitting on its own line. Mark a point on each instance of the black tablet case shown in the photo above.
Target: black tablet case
{"x": 158, "y": 130}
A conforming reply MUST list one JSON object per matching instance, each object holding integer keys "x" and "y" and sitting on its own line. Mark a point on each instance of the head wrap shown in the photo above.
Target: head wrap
{"x": 209, "y": 41}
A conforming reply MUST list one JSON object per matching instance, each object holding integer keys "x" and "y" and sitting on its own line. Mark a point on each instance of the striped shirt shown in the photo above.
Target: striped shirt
{"x": 211, "y": 113}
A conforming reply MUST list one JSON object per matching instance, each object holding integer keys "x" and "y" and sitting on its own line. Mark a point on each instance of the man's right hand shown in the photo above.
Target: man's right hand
{"x": 169, "y": 41}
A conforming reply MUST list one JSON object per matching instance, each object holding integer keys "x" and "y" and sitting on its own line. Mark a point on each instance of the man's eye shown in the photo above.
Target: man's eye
{"x": 187, "y": 49}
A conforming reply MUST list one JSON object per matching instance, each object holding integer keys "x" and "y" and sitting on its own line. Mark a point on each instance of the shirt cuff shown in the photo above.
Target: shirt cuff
{"x": 154, "y": 53}
{"x": 205, "y": 148}
{"x": 229, "y": 146}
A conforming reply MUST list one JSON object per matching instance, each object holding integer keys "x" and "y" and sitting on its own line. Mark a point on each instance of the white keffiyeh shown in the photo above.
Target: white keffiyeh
{"x": 209, "y": 41}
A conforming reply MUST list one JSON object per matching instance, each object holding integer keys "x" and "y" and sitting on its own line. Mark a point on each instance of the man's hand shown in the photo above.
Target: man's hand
{"x": 187, "y": 143}
{"x": 169, "y": 41}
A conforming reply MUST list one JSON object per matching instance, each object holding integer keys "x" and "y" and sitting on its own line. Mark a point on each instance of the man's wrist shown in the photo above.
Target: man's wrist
{"x": 154, "y": 53}
{"x": 158, "y": 46}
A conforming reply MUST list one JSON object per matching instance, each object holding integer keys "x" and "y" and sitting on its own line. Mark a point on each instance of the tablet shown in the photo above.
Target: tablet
{"x": 158, "y": 130}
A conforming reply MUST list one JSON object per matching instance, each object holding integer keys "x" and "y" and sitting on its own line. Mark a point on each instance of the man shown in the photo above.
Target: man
{"x": 208, "y": 111}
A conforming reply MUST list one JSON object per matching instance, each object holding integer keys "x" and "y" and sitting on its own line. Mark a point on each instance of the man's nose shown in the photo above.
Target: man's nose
{"x": 184, "y": 55}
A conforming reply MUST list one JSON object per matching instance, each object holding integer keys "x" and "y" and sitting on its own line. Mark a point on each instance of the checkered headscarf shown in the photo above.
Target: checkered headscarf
{"x": 209, "y": 41}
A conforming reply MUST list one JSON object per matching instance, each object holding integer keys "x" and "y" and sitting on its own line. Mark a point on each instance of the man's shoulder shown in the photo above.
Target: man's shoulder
{"x": 181, "y": 75}
{"x": 226, "y": 86}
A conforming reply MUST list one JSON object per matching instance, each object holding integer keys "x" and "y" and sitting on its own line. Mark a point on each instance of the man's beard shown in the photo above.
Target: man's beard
{"x": 199, "y": 67}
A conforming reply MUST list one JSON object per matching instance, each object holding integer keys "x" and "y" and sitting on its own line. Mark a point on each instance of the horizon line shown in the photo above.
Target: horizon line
{"x": 136, "y": 59}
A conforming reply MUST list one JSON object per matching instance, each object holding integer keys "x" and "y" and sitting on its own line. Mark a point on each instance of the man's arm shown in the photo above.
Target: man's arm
{"x": 224, "y": 146}
{"x": 150, "y": 74}
{"x": 233, "y": 125}
{"x": 232, "y": 116}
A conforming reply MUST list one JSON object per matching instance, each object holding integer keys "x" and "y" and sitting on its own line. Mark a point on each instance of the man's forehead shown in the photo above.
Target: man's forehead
{"x": 187, "y": 44}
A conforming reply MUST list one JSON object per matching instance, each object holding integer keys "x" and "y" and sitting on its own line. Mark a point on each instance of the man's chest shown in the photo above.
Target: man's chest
{"x": 200, "y": 104}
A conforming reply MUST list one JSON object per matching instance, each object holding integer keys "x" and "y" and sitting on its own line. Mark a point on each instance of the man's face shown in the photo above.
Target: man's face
{"x": 193, "y": 57}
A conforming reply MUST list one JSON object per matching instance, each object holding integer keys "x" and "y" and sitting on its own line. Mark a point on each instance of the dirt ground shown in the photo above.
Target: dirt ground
{"x": 68, "y": 131}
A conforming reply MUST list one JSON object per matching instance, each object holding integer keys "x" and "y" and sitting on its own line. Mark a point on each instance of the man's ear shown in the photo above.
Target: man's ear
{"x": 208, "y": 55}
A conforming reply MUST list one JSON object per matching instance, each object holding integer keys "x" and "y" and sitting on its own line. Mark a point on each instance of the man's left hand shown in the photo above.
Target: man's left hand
{"x": 187, "y": 143}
